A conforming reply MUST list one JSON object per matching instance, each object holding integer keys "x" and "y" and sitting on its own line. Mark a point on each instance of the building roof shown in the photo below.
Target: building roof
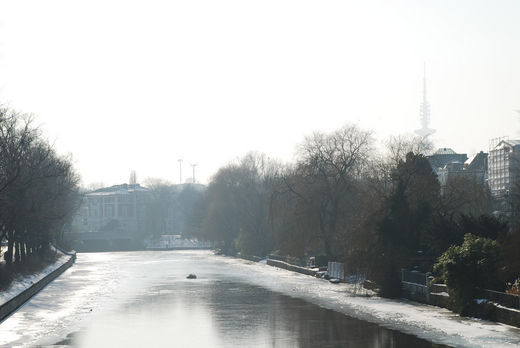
{"x": 444, "y": 156}
{"x": 445, "y": 151}
{"x": 512, "y": 143}
{"x": 477, "y": 162}
{"x": 122, "y": 189}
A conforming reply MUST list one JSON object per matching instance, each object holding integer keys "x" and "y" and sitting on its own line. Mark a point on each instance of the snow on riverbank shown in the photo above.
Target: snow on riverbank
{"x": 23, "y": 282}
{"x": 429, "y": 322}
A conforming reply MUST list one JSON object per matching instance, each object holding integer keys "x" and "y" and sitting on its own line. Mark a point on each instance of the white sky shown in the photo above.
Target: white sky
{"x": 127, "y": 85}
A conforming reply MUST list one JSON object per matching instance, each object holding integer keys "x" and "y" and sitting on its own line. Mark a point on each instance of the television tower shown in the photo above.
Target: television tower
{"x": 424, "y": 114}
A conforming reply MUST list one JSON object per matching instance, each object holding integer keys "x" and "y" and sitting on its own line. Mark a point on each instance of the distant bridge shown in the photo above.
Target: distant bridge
{"x": 103, "y": 241}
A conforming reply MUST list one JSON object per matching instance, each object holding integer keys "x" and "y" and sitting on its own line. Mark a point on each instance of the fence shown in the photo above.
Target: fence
{"x": 414, "y": 277}
{"x": 414, "y": 286}
{"x": 506, "y": 300}
{"x": 336, "y": 270}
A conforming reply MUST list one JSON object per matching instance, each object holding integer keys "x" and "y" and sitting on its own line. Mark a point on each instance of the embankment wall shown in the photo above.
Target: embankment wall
{"x": 16, "y": 302}
{"x": 290, "y": 267}
{"x": 497, "y": 312}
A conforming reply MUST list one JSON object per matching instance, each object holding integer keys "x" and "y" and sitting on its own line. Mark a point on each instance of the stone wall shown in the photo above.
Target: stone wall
{"x": 250, "y": 258}
{"x": 508, "y": 316}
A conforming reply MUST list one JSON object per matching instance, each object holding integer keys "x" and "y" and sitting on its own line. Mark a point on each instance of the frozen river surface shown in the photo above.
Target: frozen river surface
{"x": 143, "y": 299}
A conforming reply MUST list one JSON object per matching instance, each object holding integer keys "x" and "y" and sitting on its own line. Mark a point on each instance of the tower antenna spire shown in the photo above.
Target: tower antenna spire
{"x": 424, "y": 113}
{"x": 424, "y": 84}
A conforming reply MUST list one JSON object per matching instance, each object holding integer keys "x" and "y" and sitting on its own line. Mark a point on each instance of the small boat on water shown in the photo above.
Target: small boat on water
{"x": 334, "y": 280}
{"x": 191, "y": 276}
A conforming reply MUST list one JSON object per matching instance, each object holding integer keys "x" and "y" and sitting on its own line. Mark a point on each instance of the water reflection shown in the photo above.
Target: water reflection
{"x": 219, "y": 313}
{"x": 290, "y": 322}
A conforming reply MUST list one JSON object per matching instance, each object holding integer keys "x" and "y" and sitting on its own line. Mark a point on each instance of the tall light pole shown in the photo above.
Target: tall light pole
{"x": 193, "y": 165}
{"x": 180, "y": 170}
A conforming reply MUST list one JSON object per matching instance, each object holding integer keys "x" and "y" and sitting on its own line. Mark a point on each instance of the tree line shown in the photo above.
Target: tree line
{"x": 168, "y": 207}
{"x": 38, "y": 191}
{"x": 341, "y": 199}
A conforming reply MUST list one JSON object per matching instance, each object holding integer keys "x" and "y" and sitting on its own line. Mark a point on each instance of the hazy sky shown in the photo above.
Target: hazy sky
{"x": 127, "y": 85}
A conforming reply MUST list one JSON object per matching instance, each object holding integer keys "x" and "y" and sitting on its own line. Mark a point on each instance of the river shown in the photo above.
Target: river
{"x": 143, "y": 299}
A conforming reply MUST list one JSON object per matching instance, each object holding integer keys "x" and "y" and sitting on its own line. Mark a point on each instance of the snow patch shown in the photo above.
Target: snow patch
{"x": 23, "y": 282}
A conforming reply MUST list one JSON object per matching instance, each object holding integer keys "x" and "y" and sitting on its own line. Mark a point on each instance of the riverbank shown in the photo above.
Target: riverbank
{"x": 484, "y": 308}
{"x": 432, "y": 323}
{"x": 23, "y": 287}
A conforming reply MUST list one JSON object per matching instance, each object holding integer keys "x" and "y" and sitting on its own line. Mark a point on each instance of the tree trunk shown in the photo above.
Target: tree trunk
{"x": 325, "y": 237}
{"x": 17, "y": 257}
{"x": 23, "y": 253}
{"x": 10, "y": 248}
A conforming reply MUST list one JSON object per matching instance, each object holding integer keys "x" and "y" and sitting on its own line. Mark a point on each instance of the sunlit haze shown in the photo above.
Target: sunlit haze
{"x": 124, "y": 85}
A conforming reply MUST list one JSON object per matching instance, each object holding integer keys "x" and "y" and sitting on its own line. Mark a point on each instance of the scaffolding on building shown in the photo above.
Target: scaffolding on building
{"x": 503, "y": 160}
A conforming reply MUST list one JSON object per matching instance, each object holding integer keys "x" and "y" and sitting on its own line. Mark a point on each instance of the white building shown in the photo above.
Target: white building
{"x": 117, "y": 208}
{"x": 503, "y": 167}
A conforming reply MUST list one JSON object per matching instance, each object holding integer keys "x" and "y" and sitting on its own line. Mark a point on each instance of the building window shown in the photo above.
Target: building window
{"x": 109, "y": 210}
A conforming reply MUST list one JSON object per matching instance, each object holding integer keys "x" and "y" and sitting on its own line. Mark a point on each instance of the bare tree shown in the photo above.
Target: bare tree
{"x": 238, "y": 205}
{"x": 465, "y": 194}
{"x": 324, "y": 182}
{"x": 159, "y": 204}
{"x": 399, "y": 146}
{"x": 38, "y": 189}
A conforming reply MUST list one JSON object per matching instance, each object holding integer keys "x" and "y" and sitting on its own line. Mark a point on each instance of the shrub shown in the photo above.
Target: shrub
{"x": 467, "y": 267}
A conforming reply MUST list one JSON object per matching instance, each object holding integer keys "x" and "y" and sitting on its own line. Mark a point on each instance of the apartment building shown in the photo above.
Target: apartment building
{"x": 503, "y": 167}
